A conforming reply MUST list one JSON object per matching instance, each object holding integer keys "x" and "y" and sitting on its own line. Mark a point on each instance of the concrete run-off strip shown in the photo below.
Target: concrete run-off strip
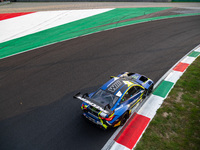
{"x": 39, "y": 21}
{"x": 83, "y": 26}
{"x": 104, "y": 21}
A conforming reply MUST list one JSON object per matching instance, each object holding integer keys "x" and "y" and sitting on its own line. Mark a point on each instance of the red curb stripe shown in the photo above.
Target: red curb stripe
{"x": 12, "y": 15}
{"x": 132, "y": 131}
{"x": 181, "y": 67}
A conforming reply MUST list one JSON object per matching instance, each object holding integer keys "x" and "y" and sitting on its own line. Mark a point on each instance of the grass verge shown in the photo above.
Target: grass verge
{"x": 177, "y": 123}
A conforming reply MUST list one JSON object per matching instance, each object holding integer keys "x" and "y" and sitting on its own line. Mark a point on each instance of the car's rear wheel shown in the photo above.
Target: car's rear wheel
{"x": 124, "y": 118}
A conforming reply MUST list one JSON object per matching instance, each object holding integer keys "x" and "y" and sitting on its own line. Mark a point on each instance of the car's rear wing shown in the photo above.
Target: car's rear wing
{"x": 99, "y": 106}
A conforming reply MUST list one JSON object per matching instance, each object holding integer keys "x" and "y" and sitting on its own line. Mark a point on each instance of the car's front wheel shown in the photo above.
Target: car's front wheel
{"x": 147, "y": 92}
{"x": 150, "y": 90}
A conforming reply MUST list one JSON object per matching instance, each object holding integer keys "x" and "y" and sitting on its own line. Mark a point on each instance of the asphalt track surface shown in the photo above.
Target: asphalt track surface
{"x": 37, "y": 110}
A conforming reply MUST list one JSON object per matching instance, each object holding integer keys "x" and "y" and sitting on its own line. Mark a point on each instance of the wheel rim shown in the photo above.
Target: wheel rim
{"x": 124, "y": 119}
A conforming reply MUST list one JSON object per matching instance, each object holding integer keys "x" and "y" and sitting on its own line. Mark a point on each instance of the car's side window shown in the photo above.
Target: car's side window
{"x": 125, "y": 97}
{"x": 138, "y": 89}
{"x": 129, "y": 94}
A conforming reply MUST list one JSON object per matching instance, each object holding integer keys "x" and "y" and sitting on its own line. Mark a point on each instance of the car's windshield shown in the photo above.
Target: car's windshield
{"x": 104, "y": 97}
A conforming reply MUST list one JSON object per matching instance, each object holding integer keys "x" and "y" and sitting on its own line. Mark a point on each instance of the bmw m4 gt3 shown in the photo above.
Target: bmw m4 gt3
{"x": 111, "y": 104}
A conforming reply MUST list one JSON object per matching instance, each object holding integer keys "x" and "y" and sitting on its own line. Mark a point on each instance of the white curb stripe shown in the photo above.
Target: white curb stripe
{"x": 173, "y": 76}
{"x": 188, "y": 60}
{"x": 150, "y": 107}
{"x": 198, "y": 49}
{"x": 117, "y": 146}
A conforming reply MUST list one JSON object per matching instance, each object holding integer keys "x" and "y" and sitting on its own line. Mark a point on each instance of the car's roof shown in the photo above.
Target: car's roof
{"x": 117, "y": 86}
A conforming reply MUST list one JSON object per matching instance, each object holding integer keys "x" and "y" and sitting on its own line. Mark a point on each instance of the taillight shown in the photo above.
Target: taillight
{"x": 109, "y": 118}
{"x": 83, "y": 106}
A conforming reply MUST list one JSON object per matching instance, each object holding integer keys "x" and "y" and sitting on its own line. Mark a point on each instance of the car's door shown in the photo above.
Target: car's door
{"x": 132, "y": 95}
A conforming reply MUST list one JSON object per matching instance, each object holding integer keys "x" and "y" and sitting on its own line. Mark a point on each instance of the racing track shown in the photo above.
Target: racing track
{"x": 36, "y": 87}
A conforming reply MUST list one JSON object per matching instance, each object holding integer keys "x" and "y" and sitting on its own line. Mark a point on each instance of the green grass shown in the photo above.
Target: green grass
{"x": 176, "y": 125}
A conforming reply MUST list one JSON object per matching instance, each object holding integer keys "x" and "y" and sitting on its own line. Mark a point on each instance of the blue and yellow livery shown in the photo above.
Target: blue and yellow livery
{"x": 111, "y": 104}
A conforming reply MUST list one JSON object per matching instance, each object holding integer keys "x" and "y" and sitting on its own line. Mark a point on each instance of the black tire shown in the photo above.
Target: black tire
{"x": 147, "y": 92}
{"x": 150, "y": 90}
{"x": 124, "y": 118}
{"x": 144, "y": 94}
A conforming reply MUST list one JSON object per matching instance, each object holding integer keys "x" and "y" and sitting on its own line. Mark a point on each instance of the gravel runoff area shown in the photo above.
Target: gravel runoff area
{"x": 45, "y": 6}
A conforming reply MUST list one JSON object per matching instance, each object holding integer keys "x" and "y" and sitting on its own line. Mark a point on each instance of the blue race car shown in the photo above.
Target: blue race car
{"x": 111, "y": 104}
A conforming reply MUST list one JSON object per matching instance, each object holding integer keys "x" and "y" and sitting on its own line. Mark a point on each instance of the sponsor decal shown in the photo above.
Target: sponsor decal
{"x": 119, "y": 107}
{"x": 119, "y": 94}
{"x": 135, "y": 77}
{"x": 93, "y": 104}
{"x": 115, "y": 86}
